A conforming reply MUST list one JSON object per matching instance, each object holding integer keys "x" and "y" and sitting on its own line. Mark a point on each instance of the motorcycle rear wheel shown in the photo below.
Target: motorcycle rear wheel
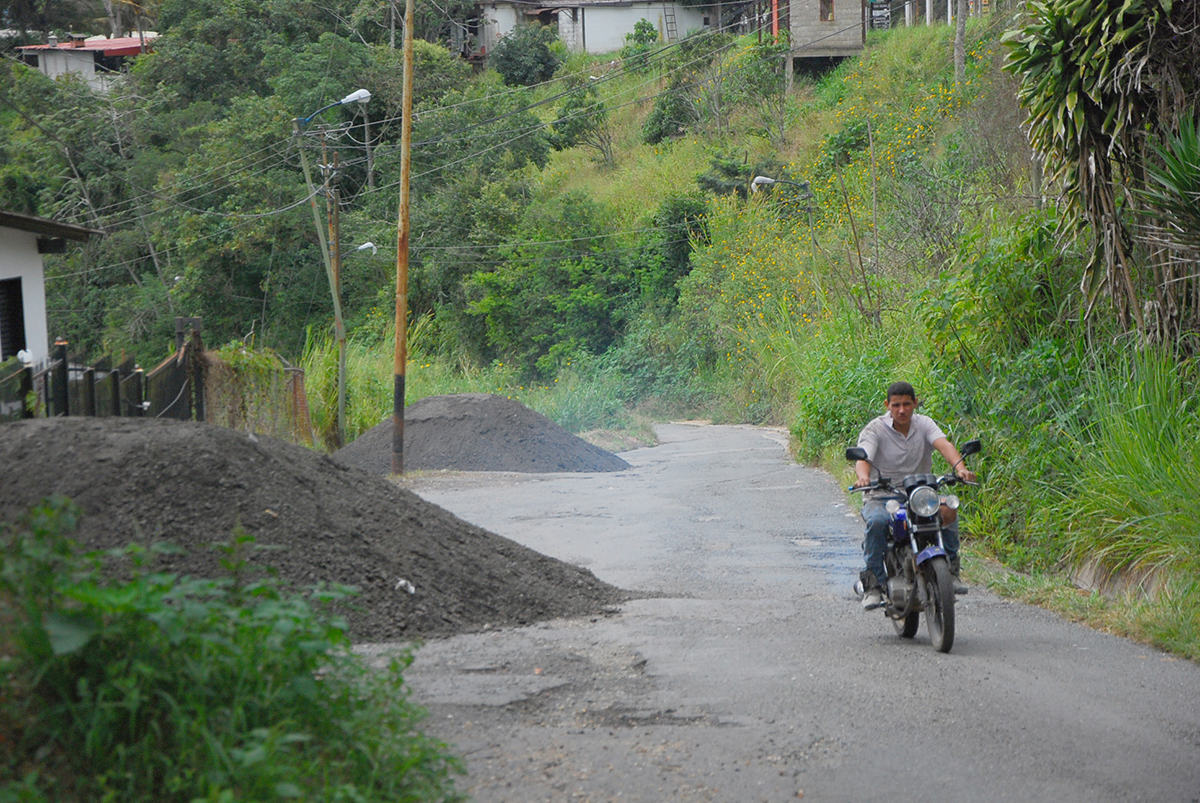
{"x": 907, "y": 626}
{"x": 939, "y": 613}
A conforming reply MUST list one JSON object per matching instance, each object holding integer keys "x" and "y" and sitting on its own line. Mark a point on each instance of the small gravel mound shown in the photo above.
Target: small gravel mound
{"x": 477, "y": 432}
{"x": 421, "y": 570}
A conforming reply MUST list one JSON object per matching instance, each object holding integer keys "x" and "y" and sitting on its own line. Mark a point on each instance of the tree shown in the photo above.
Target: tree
{"x": 523, "y": 56}
{"x": 550, "y": 300}
{"x": 1104, "y": 84}
{"x": 639, "y": 45}
{"x": 695, "y": 91}
{"x": 583, "y": 121}
{"x": 764, "y": 75}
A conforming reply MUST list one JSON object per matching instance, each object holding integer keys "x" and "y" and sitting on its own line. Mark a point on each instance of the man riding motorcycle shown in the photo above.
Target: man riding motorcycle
{"x": 899, "y": 443}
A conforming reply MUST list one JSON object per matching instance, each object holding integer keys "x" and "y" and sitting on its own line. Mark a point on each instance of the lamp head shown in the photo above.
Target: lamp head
{"x": 357, "y": 96}
{"x": 758, "y": 180}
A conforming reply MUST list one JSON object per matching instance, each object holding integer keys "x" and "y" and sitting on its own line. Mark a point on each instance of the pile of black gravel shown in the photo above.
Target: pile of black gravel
{"x": 191, "y": 483}
{"x": 477, "y": 432}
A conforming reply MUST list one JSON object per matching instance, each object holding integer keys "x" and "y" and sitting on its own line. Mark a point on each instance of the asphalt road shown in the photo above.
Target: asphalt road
{"x": 749, "y": 672}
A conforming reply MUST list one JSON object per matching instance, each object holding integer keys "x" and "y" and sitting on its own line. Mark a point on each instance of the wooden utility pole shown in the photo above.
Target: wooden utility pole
{"x": 401, "y": 357}
{"x": 334, "y": 219}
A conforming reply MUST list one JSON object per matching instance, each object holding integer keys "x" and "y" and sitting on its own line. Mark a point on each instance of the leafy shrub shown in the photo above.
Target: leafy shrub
{"x": 162, "y": 688}
{"x": 639, "y": 45}
{"x": 524, "y": 56}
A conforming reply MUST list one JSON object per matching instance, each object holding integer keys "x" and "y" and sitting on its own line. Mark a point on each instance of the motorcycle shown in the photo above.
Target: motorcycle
{"x": 918, "y": 568}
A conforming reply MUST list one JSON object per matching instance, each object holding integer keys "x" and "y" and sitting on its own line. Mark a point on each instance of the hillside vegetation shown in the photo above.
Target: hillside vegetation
{"x": 591, "y": 244}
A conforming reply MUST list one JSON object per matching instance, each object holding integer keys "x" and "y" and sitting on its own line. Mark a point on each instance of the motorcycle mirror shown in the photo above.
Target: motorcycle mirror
{"x": 970, "y": 447}
{"x": 856, "y": 453}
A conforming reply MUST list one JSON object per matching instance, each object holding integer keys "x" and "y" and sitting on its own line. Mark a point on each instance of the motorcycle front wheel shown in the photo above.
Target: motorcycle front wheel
{"x": 939, "y": 613}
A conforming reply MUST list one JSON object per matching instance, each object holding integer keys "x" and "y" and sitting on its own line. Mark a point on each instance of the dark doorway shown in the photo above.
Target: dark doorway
{"x": 12, "y": 318}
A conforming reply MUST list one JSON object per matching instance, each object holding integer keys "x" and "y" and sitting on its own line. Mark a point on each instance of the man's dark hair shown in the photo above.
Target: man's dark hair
{"x": 901, "y": 389}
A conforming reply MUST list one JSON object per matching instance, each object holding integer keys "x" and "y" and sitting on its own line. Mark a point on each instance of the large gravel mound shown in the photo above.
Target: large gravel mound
{"x": 190, "y": 484}
{"x": 477, "y": 432}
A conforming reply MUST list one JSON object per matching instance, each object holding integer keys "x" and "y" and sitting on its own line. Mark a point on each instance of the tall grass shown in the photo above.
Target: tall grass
{"x": 582, "y": 397}
{"x": 1133, "y": 503}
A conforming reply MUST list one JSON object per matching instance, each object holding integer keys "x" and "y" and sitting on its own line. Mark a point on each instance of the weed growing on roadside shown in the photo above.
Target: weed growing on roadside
{"x": 163, "y": 688}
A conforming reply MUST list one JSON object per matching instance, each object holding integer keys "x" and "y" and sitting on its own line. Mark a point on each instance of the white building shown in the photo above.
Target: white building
{"x": 97, "y": 58}
{"x": 23, "y": 240}
{"x": 596, "y": 26}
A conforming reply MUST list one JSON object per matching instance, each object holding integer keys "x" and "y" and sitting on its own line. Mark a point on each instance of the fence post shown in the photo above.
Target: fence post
{"x": 196, "y": 369}
{"x": 26, "y": 389}
{"x": 59, "y": 377}
{"x": 89, "y": 391}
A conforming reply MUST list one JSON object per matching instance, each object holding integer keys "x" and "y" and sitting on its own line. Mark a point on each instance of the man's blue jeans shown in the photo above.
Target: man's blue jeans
{"x": 875, "y": 542}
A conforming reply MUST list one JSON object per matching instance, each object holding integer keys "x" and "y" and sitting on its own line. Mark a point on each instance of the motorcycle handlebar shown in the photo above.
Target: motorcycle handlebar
{"x": 945, "y": 479}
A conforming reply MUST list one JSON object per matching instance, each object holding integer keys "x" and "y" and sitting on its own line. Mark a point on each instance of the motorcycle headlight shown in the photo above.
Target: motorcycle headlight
{"x": 923, "y": 501}
{"x": 950, "y": 501}
{"x": 891, "y": 506}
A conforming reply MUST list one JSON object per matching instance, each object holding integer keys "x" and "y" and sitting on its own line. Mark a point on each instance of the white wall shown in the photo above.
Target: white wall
{"x": 595, "y": 28}
{"x": 500, "y": 19}
{"x": 58, "y": 61}
{"x": 19, "y": 257}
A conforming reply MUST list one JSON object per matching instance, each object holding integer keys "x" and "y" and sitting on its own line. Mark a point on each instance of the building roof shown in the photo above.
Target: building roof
{"x": 47, "y": 227}
{"x": 117, "y": 46}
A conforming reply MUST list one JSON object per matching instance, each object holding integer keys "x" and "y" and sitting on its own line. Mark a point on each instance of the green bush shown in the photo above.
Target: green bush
{"x": 162, "y": 688}
{"x": 524, "y": 56}
{"x": 640, "y": 45}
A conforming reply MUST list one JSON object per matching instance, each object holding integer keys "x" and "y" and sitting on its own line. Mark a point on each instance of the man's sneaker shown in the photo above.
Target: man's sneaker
{"x": 959, "y": 586}
{"x": 873, "y": 599}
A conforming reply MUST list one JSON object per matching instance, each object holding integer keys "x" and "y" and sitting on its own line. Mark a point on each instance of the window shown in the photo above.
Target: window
{"x": 826, "y": 10}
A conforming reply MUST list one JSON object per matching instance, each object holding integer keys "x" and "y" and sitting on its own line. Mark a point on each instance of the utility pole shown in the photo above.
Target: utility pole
{"x": 402, "y": 237}
{"x": 333, "y": 220}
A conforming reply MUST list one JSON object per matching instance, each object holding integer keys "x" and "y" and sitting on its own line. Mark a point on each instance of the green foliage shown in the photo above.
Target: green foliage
{"x": 843, "y": 387}
{"x": 1086, "y": 71}
{"x": 216, "y": 50}
{"x": 524, "y": 57}
{"x": 679, "y": 224}
{"x": 728, "y": 174}
{"x": 584, "y": 120}
{"x": 1173, "y": 192}
{"x": 1133, "y": 499}
{"x": 309, "y": 77}
{"x": 550, "y": 301}
{"x": 684, "y": 102}
{"x": 764, "y": 71}
{"x": 161, "y": 688}
{"x": 640, "y": 45}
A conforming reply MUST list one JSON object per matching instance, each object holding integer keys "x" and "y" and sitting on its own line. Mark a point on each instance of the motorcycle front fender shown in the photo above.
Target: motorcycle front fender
{"x": 930, "y": 552}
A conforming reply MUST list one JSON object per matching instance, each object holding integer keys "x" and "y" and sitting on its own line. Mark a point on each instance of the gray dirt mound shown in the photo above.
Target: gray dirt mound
{"x": 190, "y": 484}
{"x": 477, "y": 432}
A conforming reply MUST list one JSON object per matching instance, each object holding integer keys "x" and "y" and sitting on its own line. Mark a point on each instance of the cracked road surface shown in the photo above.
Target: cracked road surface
{"x": 748, "y": 672}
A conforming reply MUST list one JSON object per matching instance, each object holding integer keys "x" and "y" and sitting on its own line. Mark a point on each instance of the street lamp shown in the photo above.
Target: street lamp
{"x": 805, "y": 191}
{"x": 330, "y": 251}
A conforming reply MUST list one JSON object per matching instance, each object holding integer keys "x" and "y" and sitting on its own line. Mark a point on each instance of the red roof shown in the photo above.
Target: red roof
{"x": 119, "y": 46}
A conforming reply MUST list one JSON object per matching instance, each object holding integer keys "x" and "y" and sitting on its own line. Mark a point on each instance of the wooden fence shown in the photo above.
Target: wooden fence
{"x": 179, "y": 387}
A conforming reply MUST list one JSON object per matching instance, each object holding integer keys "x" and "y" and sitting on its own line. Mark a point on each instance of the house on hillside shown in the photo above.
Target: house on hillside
{"x": 591, "y": 26}
{"x": 824, "y": 29}
{"x": 23, "y": 240}
{"x": 97, "y": 58}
